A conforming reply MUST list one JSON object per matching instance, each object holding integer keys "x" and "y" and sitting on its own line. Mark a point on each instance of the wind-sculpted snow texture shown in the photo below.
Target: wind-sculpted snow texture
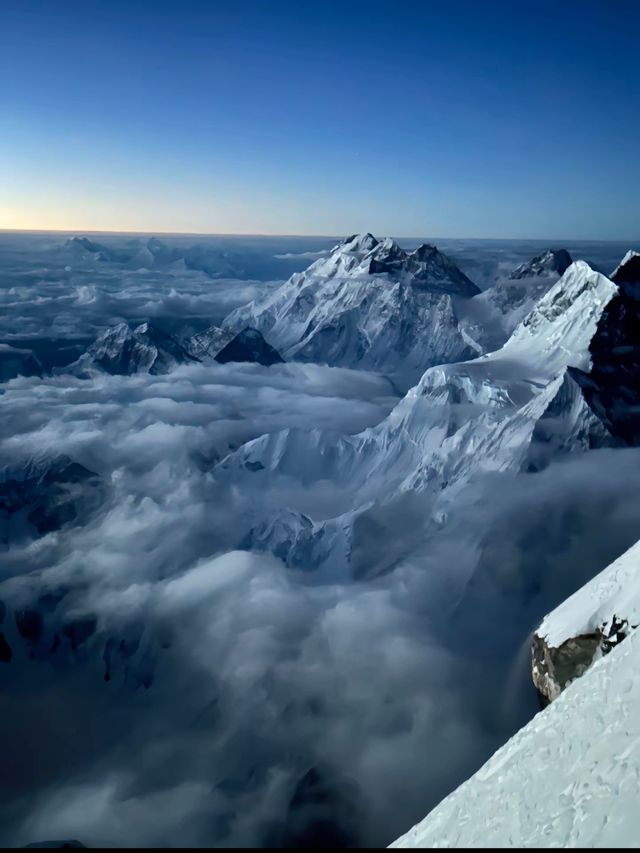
{"x": 290, "y": 603}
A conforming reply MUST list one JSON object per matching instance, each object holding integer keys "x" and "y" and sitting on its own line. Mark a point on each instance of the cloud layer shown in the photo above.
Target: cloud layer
{"x": 248, "y": 703}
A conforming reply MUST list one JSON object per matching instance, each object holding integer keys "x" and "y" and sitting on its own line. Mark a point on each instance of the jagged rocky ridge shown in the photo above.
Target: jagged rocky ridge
{"x": 121, "y": 350}
{"x": 369, "y": 304}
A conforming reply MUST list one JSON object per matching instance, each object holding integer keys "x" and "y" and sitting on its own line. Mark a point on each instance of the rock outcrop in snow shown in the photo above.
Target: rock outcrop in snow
{"x": 369, "y": 304}
{"x": 569, "y": 778}
{"x": 587, "y": 625}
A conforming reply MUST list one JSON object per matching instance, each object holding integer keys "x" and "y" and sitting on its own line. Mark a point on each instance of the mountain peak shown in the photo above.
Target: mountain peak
{"x": 628, "y": 270}
{"x": 358, "y": 243}
{"x": 249, "y": 345}
{"x": 549, "y": 262}
{"x": 122, "y": 350}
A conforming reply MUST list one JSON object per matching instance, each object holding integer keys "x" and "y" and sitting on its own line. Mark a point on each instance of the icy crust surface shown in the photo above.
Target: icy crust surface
{"x": 614, "y": 592}
{"x": 570, "y": 778}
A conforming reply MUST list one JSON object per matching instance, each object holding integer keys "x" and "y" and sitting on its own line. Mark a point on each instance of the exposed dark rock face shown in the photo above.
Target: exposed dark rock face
{"x": 628, "y": 272}
{"x": 426, "y": 268}
{"x": 553, "y": 669}
{"x": 249, "y": 345}
{"x": 612, "y": 387}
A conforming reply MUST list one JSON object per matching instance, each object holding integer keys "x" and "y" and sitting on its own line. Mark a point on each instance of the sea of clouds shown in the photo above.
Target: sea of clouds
{"x": 248, "y": 703}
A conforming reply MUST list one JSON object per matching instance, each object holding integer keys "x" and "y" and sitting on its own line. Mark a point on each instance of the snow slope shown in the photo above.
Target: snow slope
{"x": 369, "y": 304}
{"x": 570, "y": 778}
{"x": 615, "y": 591}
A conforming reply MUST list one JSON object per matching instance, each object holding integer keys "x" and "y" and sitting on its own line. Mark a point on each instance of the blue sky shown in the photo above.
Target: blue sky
{"x": 416, "y": 118}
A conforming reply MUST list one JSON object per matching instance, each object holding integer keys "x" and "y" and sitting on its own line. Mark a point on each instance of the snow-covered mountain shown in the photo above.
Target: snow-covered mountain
{"x": 553, "y": 262}
{"x": 151, "y": 254}
{"x": 491, "y": 316}
{"x": 122, "y": 350}
{"x": 83, "y": 248}
{"x": 512, "y": 409}
{"x": 369, "y": 304}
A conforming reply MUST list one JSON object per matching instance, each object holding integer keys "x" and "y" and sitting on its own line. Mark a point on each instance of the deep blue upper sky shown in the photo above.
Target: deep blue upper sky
{"x": 463, "y": 118}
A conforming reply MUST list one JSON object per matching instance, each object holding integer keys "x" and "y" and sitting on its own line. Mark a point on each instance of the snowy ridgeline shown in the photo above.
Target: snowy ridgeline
{"x": 571, "y": 777}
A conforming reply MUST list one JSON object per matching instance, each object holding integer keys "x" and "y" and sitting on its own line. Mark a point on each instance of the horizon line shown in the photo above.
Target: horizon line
{"x": 299, "y": 236}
